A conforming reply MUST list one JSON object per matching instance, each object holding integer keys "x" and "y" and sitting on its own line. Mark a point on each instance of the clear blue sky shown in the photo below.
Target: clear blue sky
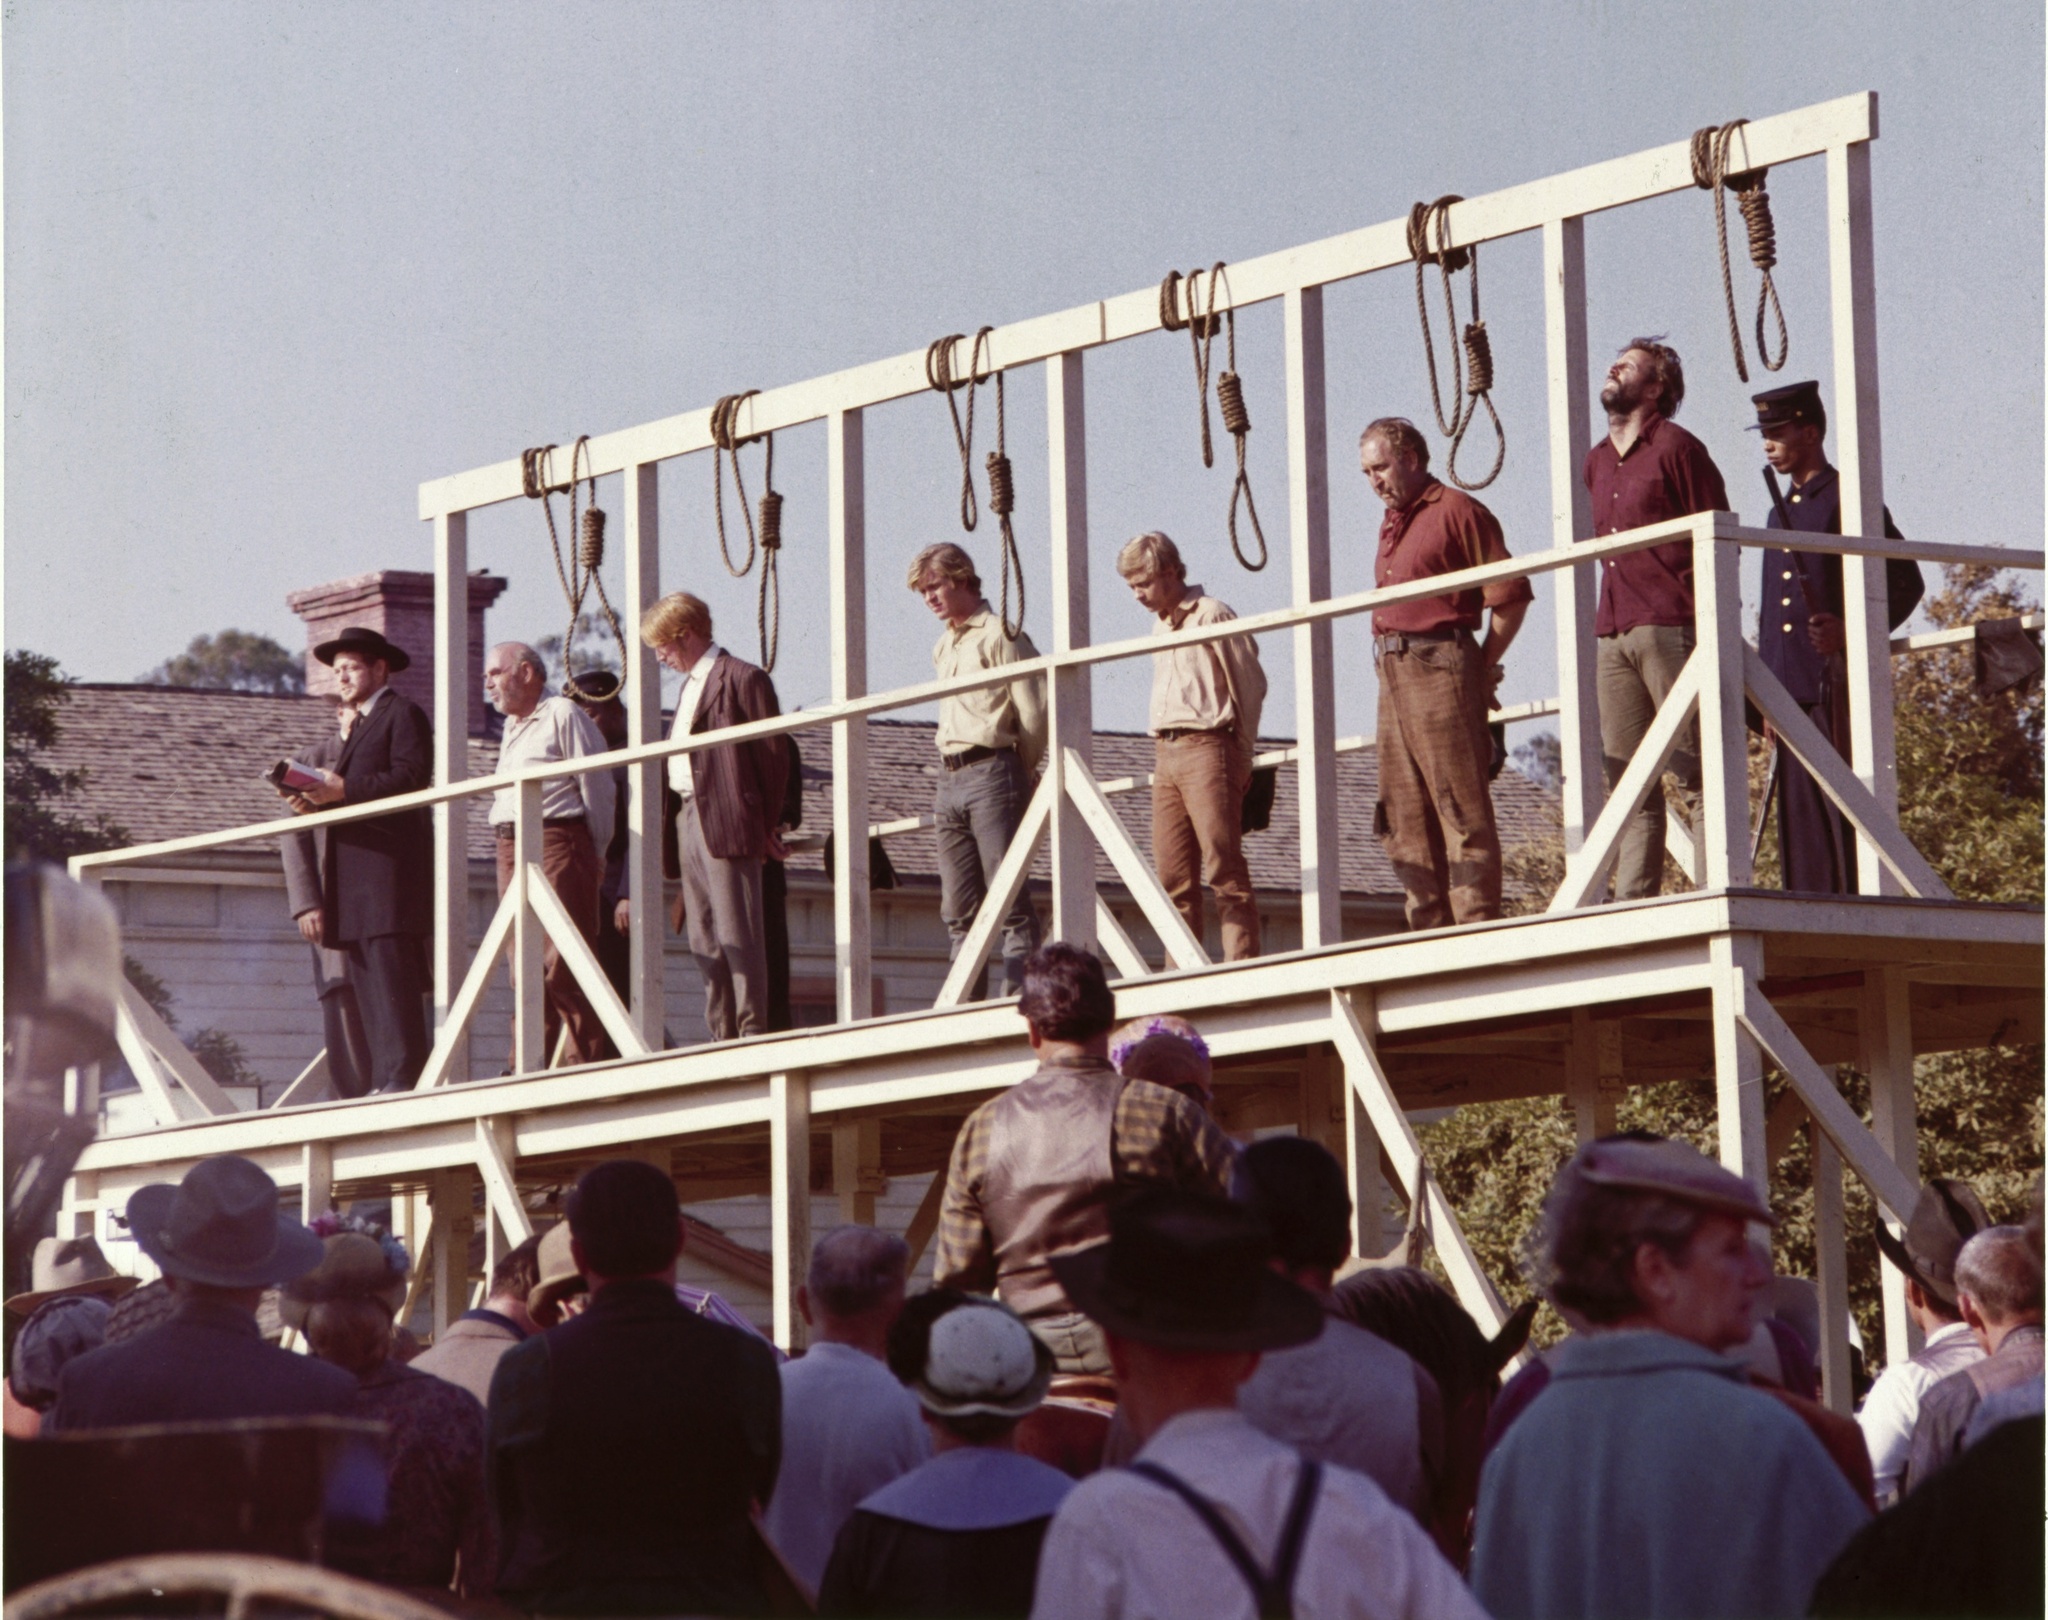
{"x": 268, "y": 266}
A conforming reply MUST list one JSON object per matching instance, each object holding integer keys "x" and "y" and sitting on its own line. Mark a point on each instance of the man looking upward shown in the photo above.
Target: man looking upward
{"x": 575, "y": 812}
{"x": 990, "y": 743}
{"x": 1436, "y": 682}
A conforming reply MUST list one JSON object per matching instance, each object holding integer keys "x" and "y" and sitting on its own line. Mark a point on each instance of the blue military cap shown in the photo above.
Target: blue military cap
{"x": 1782, "y": 407}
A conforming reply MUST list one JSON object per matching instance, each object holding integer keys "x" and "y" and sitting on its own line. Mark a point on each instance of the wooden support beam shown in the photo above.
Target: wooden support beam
{"x": 448, "y": 1061}
{"x": 857, "y": 1170}
{"x": 642, "y": 694}
{"x": 1884, "y": 1018}
{"x": 847, "y": 571}
{"x": 1724, "y": 739}
{"x": 1738, "y": 1060}
{"x": 451, "y": 765}
{"x": 1315, "y": 679}
{"x": 789, "y": 1198}
{"x": 495, "y": 1156}
{"x": 529, "y": 939}
{"x": 1593, "y": 1078}
{"x": 1583, "y": 788}
{"x": 1831, "y": 1274}
{"x": 177, "y": 1057}
{"x": 1182, "y": 948}
{"x": 143, "y": 1063}
{"x": 314, "y": 1082}
{"x": 582, "y": 961}
{"x": 316, "y": 1180}
{"x": 1071, "y": 701}
{"x": 1117, "y": 944}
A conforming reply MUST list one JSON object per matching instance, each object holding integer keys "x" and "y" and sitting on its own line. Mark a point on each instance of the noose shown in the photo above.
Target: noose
{"x": 1710, "y": 150}
{"x": 938, "y": 371}
{"x": 1471, "y": 379}
{"x": 726, "y": 443}
{"x": 581, "y": 574}
{"x": 1002, "y": 500}
{"x": 1201, "y": 328}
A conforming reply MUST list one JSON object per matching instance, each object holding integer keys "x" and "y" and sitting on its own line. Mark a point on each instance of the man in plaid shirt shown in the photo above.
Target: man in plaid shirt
{"x": 1035, "y": 1170}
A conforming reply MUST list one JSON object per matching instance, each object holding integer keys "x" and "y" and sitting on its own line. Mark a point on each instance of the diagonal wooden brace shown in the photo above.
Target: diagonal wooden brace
{"x": 177, "y": 1057}
{"x": 1586, "y": 872}
{"x": 1117, "y": 944}
{"x": 463, "y": 1008}
{"x": 1837, "y": 781}
{"x": 501, "y": 1192}
{"x": 582, "y": 962}
{"x": 1002, "y": 890}
{"x": 1182, "y": 948}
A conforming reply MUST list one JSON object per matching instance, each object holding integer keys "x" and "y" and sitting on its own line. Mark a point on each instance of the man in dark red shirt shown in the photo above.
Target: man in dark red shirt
{"x": 1645, "y": 470}
{"x": 1435, "y": 812}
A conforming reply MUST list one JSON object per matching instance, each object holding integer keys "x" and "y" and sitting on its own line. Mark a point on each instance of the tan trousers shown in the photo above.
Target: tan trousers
{"x": 1198, "y": 834}
{"x": 1436, "y": 805}
{"x": 569, "y": 860}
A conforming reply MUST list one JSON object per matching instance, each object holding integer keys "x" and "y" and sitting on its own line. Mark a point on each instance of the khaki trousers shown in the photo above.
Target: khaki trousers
{"x": 569, "y": 860}
{"x": 1636, "y": 671}
{"x": 1435, "y": 804}
{"x": 1198, "y": 833}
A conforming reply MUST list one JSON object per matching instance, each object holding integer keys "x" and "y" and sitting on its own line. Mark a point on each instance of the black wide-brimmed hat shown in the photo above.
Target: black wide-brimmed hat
{"x": 1188, "y": 1272}
{"x": 1946, "y": 1215}
{"x": 596, "y": 685}
{"x": 368, "y": 643}
{"x": 221, "y": 1226}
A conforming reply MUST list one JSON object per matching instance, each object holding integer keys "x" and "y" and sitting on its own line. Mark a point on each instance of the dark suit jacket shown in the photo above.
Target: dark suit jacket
{"x": 740, "y": 787}
{"x": 379, "y": 874}
{"x": 207, "y": 1363}
{"x": 626, "y": 1448}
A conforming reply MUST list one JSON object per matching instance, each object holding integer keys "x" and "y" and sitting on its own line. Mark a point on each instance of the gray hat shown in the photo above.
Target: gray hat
{"x": 1675, "y": 1169}
{"x": 222, "y": 1226}
{"x": 71, "y": 1265}
{"x": 66, "y": 1327}
{"x": 1946, "y": 1215}
{"x": 981, "y": 1358}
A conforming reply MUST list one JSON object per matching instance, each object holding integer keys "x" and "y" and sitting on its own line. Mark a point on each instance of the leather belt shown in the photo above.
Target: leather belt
{"x": 971, "y": 756}
{"x": 508, "y": 832}
{"x": 1399, "y": 640}
{"x": 1175, "y": 733}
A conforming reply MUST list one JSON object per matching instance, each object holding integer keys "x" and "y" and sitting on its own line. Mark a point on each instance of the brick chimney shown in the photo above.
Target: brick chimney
{"x": 398, "y": 605}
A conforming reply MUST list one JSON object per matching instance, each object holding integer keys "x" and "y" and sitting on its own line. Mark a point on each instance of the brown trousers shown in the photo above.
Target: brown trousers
{"x": 569, "y": 860}
{"x": 1435, "y": 805}
{"x": 1198, "y": 834}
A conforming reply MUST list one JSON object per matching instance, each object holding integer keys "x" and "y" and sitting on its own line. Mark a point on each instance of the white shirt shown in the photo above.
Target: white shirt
{"x": 1893, "y": 1405}
{"x": 682, "y": 768}
{"x": 848, "y": 1429}
{"x": 1124, "y": 1546}
{"x": 557, "y": 729}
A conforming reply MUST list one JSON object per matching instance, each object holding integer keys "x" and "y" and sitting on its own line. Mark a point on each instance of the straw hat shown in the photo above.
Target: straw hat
{"x": 71, "y": 1265}
{"x": 559, "y": 1277}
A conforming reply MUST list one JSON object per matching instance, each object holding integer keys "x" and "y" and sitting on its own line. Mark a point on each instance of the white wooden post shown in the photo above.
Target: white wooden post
{"x": 316, "y": 1179}
{"x": 789, "y": 1198}
{"x": 1315, "y": 699}
{"x": 451, "y": 764}
{"x": 1885, "y": 1023}
{"x": 1724, "y": 743}
{"x": 644, "y": 782}
{"x": 846, "y": 478}
{"x": 1859, "y": 445}
{"x": 857, "y": 1170}
{"x": 1368, "y": 1181}
{"x": 1831, "y": 1273}
{"x": 1737, "y": 961}
{"x": 1571, "y": 518}
{"x": 529, "y": 940}
{"x": 1592, "y": 1078}
{"x": 1072, "y": 697}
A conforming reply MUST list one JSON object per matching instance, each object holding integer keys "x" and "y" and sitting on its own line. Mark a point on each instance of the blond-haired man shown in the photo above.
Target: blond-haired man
{"x": 1205, "y": 716}
{"x": 990, "y": 743}
{"x": 719, "y": 814}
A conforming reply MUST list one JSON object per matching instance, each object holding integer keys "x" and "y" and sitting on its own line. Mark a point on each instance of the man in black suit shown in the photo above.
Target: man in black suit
{"x": 629, "y": 1446}
{"x": 220, "y": 1239}
{"x": 377, "y": 882}
{"x": 305, "y": 856}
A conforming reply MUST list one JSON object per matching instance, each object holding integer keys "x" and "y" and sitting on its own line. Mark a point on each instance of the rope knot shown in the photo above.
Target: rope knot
{"x": 1710, "y": 152}
{"x": 1002, "y": 494}
{"x": 771, "y": 521}
{"x": 1478, "y": 359}
{"x": 1436, "y": 214}
{"x": 1230, "y": 400}
{"x": 1755, "y": 203}
{"x": 593, "y": 538}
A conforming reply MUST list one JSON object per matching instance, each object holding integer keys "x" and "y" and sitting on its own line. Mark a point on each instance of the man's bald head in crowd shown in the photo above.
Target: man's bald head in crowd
{"x": 1999, "y": 1272}
{"x": 857, "y": 1271}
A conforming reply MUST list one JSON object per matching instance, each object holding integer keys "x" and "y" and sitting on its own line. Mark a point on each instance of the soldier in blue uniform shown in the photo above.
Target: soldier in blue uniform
{"x": 1801, "y": 634}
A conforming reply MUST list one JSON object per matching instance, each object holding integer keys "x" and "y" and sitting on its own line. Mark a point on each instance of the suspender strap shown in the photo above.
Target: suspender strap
{"x": 1272, "y": 1594}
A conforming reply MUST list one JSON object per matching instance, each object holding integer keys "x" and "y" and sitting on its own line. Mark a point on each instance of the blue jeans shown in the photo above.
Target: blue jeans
{"x": 975, "y": 817}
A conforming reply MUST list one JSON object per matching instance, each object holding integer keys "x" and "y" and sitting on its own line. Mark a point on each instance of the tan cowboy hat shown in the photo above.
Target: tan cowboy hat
{"x": 354, "y": 1266}
{"x": 69, "y": 1266}
{"x": 559, "y": 1277}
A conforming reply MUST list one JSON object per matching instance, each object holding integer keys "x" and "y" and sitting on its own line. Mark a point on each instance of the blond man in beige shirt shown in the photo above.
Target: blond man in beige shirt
{"x": 990, "y": 744}
{"x": 1206, "y": 700}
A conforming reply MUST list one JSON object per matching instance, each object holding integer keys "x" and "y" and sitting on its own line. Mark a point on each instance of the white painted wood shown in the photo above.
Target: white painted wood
{"x": 789, "y": 1193}
{"x": 495, "y": 1156}
{"x": 1884, "y": 1016}
{"x": 1182, "y": 948}
{"x": 314, "y": 1081}
{"x": 1927, "y": 641}
{"x": 1368, "y": 1080}
{"x": 1586, "y": 1085}
{"x": 451, "y": 765}
{"x": 1315, "y": 678}
{"x": 1571, "y": 518}
{"x": 176, "y": 1056}
{"x": 1831, "y": 1274}
{"x": 847, "y": 570}
{"x": 1859, "y": 453}
{"x": 1877, "y": 827}
{"x": 1678, "y": 845}
{"x": 857, "y": 1176}
{"x": 529, "y": 939}
{"x": 1738, "y": 961}
{"x": 1118, "y": 945}
{"x": 451, "y": 1045}
{"x": 1071, "y": 699}
{"x": 1010, "y": 874}
{"x": 143, "y": 1063}
{"x": 642, "y": 694}
{"x": 1888, "y": 1183}
{"x": 1587, "y": 871}
{"x": 1544, "y": 986}
{"x": 1724, "y": 740}
{"x": 581, "y": 960}
{"x": 1365, "y": 1179}
{"x": 316, "y": 1180}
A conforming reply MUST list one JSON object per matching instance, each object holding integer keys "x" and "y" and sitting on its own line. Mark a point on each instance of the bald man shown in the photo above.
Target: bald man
{"x": 575, "y": 812}
{"x": 1998, "y": 1285}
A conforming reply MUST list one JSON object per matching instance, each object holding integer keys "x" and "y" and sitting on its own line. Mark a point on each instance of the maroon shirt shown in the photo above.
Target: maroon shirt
{"x": 1667, "y": 473}
{"x": 1439, "y": 532}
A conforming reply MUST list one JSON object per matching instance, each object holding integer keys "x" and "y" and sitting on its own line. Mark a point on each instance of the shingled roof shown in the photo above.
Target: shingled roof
{"x": 170, "y": 762}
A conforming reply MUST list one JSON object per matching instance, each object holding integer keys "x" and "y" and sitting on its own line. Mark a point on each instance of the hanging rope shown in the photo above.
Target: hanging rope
{"x": 1471, "y": 376}
{"x": 1002, "y": 500}
{"x": 726, "y": 443}
{"x": 1710, "y": 150}
{"x": 580, "y": 575}
{"x": 938, "y": 371}
{"x": 1201, "y": 327}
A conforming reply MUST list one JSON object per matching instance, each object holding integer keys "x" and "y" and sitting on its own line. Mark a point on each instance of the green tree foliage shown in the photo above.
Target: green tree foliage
{"x": 594, "y": 648}
{"x": 233, "y": 661}
{"x": 43, "y": 822}
{"x": 1971, "y": 800}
